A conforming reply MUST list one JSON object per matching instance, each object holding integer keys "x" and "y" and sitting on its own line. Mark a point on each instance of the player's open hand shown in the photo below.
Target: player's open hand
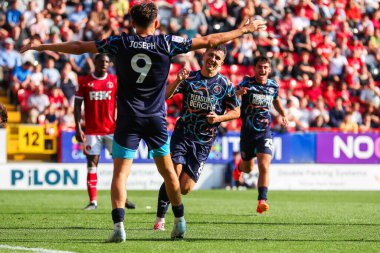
{"x": 79, "y": 135}
{"x": 183, "y": 73}
{"x": 212, "y": 118}
{"x": 32, "y": 45}
{"x": 254, "y": 25}
{"x": 241, "y": 91}
{"x": 284, "y": 122}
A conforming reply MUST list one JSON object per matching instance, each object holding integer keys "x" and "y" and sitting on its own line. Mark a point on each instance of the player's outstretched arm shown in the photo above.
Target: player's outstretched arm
{"x": 72, "y": 47}
{"x": 216, "y": 39}
{"x": 278, "y": 106}
{"x": 182, "y": 75}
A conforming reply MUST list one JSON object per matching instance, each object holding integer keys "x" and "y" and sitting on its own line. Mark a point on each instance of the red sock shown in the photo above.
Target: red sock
{"x": 92, "y": 180}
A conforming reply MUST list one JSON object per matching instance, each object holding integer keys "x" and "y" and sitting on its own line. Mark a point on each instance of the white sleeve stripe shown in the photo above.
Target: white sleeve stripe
{"x": 78, "y": 97}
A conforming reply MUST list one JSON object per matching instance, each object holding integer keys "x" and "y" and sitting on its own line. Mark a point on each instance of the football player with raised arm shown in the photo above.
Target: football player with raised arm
{"x": 207, "y": 95}
{"x": 142, "y": 65}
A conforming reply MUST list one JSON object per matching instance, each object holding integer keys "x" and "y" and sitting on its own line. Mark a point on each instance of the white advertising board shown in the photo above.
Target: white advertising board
{"x": 65, "y": 176}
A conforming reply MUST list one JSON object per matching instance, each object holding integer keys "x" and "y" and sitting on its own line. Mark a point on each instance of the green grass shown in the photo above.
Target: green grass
{"x": 218, "y": 221}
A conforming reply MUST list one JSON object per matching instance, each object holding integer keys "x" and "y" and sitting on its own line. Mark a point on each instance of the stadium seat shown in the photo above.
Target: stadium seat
{"x": 14, "y": 117}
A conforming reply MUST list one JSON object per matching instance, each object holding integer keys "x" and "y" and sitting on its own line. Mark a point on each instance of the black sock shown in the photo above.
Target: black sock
{"x": 163, "y": 202}
{"x": 263, "y": 191}
{"x": 178, "y": 210}
{"x": 118, "y": 215}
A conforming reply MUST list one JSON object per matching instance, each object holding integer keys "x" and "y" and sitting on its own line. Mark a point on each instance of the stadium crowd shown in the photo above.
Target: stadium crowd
{"x": 325, "y": 54}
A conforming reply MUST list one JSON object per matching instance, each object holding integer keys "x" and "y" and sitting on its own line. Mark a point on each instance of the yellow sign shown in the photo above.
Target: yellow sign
{"x": 31, "y": 139}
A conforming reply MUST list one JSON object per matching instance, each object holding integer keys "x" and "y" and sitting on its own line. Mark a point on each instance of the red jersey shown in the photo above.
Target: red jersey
{"x": 99, "y": 95}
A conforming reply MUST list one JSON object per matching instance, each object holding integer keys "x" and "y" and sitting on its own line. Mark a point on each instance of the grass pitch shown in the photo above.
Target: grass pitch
{"x": 218, "y": 221}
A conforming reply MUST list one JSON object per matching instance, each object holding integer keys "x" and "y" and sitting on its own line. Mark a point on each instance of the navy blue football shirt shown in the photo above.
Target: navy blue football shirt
{"x": 256, "y": 104}
{"x": 142, "y": 67}
{"x": 202, "y": 95}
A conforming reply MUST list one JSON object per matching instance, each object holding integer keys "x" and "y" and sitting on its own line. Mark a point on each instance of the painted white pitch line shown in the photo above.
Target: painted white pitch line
{"x": 40, "y": 250}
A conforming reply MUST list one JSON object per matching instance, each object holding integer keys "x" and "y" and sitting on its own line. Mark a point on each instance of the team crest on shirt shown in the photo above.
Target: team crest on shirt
{"x": 217, "y": 89}
{"x": 88, "y": 147}
{"x": 109, "y": 85}
{"x": 90, "y": 84}
{"x": 271, "y": 90}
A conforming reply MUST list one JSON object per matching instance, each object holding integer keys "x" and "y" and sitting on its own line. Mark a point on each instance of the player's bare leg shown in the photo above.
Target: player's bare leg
{"x": 263, "y": 161}
{"x": 92, "y": 180}
{"x": 122, "y": 168}
{"x": 187, "y": 183}
{"x": 247, "y": 166}
{"x": 172, "y": 186}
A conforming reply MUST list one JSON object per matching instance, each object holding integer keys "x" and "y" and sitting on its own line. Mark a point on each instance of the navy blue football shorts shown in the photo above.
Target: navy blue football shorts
{"x": 130, "y": 130}
{"x": 253, "y": 143}
{"x": 192, "y": 155}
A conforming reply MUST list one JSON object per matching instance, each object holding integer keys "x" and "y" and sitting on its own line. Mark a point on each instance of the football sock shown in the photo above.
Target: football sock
{"x": 178, "y": 211}
{"x": 92, "y": 180}
{"x": 118, "y": 215}
{"x": 263, "y": 190}
{"x": 163, "y": 202}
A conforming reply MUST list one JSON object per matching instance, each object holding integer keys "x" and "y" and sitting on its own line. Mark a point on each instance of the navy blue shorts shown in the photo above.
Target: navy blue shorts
{"x": 130, "y": 130}
{"x": 251, "y": 144}
{"x": 192, "y": 155}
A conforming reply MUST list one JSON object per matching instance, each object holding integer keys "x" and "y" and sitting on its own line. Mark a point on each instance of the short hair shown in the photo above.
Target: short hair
{"x": 220, "y": 47}
{"x": 263, "y": 59}
{"x": 144, "y": 13}
{"x": 98, "y": 56}
{"x": 3, "y": 116}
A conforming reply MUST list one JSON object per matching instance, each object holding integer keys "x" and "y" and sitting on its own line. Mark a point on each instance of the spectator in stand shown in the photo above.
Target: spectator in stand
{"x": 3, "y": 116}
{"x": 337, "y": 66}
{"x": 13, "y": 14}
{"x": 305, "y": 114}
{"x": 51, "y": 115}
{"x": 51, "y": 74}
{"x": 356, "y": 114}
{"x": 374, "y": 41}
{"x": 370, "y": 94}
{"x": 319, "y": 122}
{"x": 56, "y": 7}
{"x": 67, "y": 119}
{"x": 30, "y": 13}
{"x": 348, "y": 125}
{"x": 99, "y": 16}
{"x": 337, "y": 113}
{"x": 20, "y": 79}
{"x": 198, "y": 18}
{"x": 68, "y": 83}
{"x": 57, "y": 100}
{"x": 294, "y": 115}
{"x": 320, "y": 110}
{"x": 368, "y": 123}
{"x": 82, "y": 64}
{"x": 9, "y": 59}
{"x": 218, "y": 16}
{"x": 37, "y": 77}
{"x": 314, "y": 92}
{"x": 37, "y": 104}
{"x": 40, "y": 27}
{"x": 78, "y": 18}
{"x": 186, "y": 31}
{"x": 303, "y": 67}
{"x": 330, "y": 95}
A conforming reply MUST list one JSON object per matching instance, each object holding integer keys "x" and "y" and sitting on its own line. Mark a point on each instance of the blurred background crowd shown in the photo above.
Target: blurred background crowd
{"x": 325, "y": 54}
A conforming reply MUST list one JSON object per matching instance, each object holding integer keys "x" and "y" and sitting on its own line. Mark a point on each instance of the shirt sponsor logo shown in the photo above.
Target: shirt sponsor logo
{"x": 100, "y": 95}
{"x": 199, "y": 102}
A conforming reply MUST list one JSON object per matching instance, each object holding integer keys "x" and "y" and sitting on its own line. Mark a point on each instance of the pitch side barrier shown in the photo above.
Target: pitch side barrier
{"x": 331, "y": 148}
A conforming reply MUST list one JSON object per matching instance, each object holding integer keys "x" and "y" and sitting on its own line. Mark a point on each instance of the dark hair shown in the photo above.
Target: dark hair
{"x": 263, "y": 59}
{"x": 98, "y": 56}
{"x": 3, "y": 116}
{"x": 220, "y": 47}
{"x": 144, "y": 14}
